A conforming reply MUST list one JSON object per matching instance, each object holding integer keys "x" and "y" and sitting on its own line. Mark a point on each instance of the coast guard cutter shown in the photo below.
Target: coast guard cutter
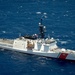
{"x": 38, "y": 45}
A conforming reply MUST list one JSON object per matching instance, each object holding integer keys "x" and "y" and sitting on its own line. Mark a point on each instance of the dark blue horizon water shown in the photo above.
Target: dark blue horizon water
{"x": 23, "y": 16}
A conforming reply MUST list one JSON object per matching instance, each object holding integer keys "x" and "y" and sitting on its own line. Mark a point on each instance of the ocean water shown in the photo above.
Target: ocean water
{"x": 23, "y": 16}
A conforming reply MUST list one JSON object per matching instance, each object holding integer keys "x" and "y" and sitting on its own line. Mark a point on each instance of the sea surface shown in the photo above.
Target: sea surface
{"x": 21, "y": 17}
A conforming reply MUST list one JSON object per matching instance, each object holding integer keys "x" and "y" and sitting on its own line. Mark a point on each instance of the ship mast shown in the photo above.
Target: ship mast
{"x": 42, "y": 30}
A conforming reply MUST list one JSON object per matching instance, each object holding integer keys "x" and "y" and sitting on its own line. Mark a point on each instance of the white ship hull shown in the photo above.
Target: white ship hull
{"x": 57, "y": 53}
{"x": 46, "y": 54}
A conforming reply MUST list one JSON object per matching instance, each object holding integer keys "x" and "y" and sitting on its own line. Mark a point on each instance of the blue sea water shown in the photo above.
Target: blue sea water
{"x": 23, "y": 16}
